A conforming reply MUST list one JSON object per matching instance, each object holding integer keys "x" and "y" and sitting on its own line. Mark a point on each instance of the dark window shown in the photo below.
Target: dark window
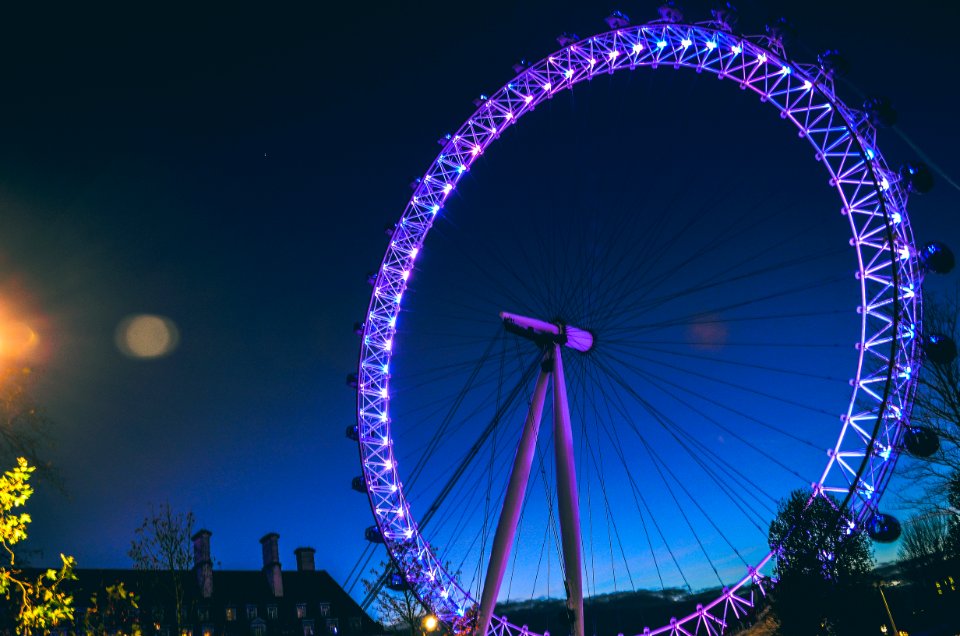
{"x": 251, "y": 612}
{"x": 203, "y": 613}
{"x": 324, "y": 609}
{"x": 308, "y": 628}
{"x": 301, "y": 610}
{"x": 272, "y": 612}
{"x": 258, "y": 629}
{"x": 355, "y": 624}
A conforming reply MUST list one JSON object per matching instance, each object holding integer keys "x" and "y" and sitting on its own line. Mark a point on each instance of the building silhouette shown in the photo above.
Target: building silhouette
{"x": 271, "y": 601}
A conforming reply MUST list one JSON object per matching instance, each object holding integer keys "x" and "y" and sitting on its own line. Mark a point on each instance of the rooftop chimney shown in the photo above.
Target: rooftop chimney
{"x": 305, "y": 561}
{"x": 271, "y": 562}
{"x": 202, "y": 565}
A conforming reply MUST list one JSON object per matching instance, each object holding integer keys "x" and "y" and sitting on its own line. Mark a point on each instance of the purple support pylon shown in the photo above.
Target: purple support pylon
{"x": 513, "y": 503}
{"x": 567, "y": 495}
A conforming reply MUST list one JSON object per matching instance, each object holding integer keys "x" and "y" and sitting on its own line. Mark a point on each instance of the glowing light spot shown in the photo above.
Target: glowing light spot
{"x": 568, "y": 73}
{"x": 435, "y": 209}
{"x": 547, "y": 86}
{"x": 807, "y": 85}
{"x": 662, "y": 44}
{"x": 386, "y": 368}
{"x": 592, "y": 61}
{"x": 475, "y": 151}
{"x": 447, "y": 188}
{"x": 147, "y": 336}
{"x": 869, "y": 154}
{"x": 686, "y": 42}
{"x": 392, "y": 322}
{"x": 384, "y": 393}
{"x": 388, "y": 464}
{"x": 637, "y": 47}
{"x": 786, "y": 70}
{"x": 613, "y": 55}
{"x": 17, "y": 340}
{"x": 388, "y": 344}
{"x": 414, "y": 252}
{"x": 736, "y": 49}
{"x": 509, "y": 115}
{"x": 762, "y": 58}
{"x": 528, "y": 98}
{"x": 461, "y": 168}
{"x": 393, "y": 488}
{"x": 711, "y": 44}
{"x": 405, "y": 274}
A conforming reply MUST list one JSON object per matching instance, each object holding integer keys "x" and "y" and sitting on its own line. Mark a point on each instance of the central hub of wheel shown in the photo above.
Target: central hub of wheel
{"x": 543, "y": 332}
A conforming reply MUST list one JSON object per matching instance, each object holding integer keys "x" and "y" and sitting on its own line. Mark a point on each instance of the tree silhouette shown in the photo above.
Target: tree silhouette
{"x": 162, "y": 544}
{"x": 821, "y": 568}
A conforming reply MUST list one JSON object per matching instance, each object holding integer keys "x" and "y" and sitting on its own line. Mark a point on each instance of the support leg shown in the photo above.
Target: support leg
{"x": 513, "y": 503}
{"x": 567, "y": 495}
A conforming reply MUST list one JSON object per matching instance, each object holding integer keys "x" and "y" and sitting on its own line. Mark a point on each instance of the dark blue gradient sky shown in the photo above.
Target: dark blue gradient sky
{"x": 213, "y": 166}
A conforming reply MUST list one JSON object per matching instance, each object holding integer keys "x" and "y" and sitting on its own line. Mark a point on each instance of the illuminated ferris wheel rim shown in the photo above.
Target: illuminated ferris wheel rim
{"x": 858, "y": 467}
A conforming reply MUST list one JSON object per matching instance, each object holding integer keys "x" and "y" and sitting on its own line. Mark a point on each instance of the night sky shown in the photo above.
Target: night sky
{"x": 233, "y": 171}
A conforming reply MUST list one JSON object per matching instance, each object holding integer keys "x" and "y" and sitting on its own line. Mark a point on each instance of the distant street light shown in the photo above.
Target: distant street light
{"x": 429, "y": 623}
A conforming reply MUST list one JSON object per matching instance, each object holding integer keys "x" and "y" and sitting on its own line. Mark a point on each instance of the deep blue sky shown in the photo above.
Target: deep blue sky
{"x": 213, "y": 166}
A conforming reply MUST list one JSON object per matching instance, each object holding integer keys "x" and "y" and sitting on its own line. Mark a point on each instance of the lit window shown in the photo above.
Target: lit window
{"x": 258, "y": 629}
{"x": 186, "y": 631}
{"x": 272, "y": 612}
{"x": 333, "y": 626}
{"x": 307, "y": 628}
{"x": 251, "y": 612}
{"x": 301, "y": 610}
{"x": 231, "y": 613}
{"x": 208, "y": 630}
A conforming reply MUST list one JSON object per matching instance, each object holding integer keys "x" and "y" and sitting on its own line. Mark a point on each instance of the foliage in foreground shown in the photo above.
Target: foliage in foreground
{"x": 39, "y": 602}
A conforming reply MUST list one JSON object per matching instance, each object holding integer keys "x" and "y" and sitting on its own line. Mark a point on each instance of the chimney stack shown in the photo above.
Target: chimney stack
{"x": 271, "y": 562}
{"x": 305, "y": 561}
{"x": 202, "y": 564}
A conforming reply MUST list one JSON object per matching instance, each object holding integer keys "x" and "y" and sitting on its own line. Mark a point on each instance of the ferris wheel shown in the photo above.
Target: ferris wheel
{"x": 681, "y": 361}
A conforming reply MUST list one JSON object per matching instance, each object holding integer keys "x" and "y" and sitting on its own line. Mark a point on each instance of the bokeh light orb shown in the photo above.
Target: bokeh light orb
{"x": 147, "y": 336}
{"x": 17, "y": 340}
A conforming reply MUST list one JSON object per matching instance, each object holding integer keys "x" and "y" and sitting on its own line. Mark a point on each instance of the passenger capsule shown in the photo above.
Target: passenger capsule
{"x": 617, "y": 20}
{"x": 372, "y": 534}
{"x": 358, "y": 484}
{"x": 353, "y": 432}
{"x": 670, "y": 12}
{"x": 396, "y": 582}
{"x": 917, "y": 177}
{"x": 781, "y": 31}
{"x": 937, "y": 257}
{"x": 880, "y": 112}
{"x": 883, "y": 528}
{"x": 921, "y": 441}
{"x": 833, "y": 64}
{"x": 940, "y": 349}
{"x": 352, "y": 380}
{"x": 725, "y": 15}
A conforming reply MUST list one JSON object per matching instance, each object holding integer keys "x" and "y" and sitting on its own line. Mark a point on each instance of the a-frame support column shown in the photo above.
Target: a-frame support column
{"x": 567, "y": 496}
{"x": 513, "y": 503}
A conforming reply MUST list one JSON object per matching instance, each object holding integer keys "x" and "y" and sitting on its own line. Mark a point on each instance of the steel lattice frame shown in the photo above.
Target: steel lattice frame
{"x": 873, "y": 199}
